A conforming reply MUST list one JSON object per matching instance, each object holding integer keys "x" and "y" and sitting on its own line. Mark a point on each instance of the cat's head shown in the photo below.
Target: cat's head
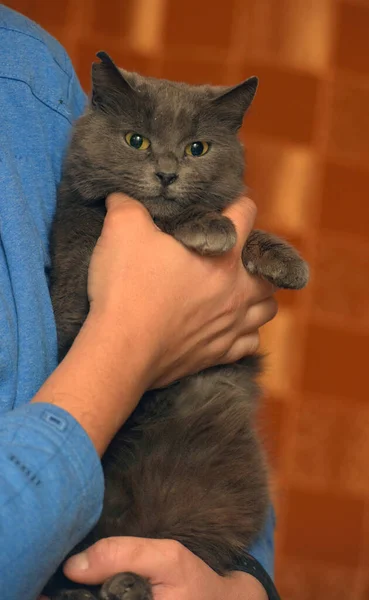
{"x": 169, "y": 145}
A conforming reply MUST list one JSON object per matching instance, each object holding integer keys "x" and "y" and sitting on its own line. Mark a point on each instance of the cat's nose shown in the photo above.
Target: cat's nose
{"x": 166, "y": 178}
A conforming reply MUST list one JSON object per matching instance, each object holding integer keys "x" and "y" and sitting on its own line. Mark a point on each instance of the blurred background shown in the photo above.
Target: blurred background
{"x": 307, "y": 139}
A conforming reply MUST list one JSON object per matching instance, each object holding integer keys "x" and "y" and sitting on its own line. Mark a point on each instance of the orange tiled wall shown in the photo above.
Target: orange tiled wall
{"x": 308, "y": 152}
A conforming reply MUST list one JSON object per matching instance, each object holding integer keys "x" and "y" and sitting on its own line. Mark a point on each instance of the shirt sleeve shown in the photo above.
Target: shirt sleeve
{"x": 51, "y": 494}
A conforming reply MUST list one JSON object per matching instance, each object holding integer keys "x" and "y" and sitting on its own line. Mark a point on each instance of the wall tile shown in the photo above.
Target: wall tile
{"x": 283, "y": 180}
{"x": 285, "y": 105}
{"x": 365, "y": 592}
{"x": 336, "y": 363}
{"x": 199, "y": 24}
{"x": 295, "y": 34}
{"x": 344, "y": 197}
{"x": 354, "y": 467}
{"x": 340, "y": 285}
{"x": 146, "y": 28}
{"x": 52, "y": 15}
{"x": 364, "y": 578}
{"x": 349, "y": 127}
{"x": 22, "y": 6}
{"x": 281, "y": 366}
{"x": 337, "y": 517}
{"x": 193, "y": 71}
{"x": 113, "y": 19}
{"x": 332, "y": 446}
{"x": 308, "y": 580}
{"x": 320, "y": 443}
{"x": 351, "y": 51}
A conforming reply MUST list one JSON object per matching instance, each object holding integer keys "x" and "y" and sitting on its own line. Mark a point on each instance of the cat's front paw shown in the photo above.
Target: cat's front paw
{"x": 291, "y": 273}
{"x": 275, "y": 260}
{"x": 209, "y": 235}
{"x": 126, "y": 586}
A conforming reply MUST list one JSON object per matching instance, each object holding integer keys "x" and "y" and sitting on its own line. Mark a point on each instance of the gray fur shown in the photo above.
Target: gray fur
{"x": 187, "y": 465}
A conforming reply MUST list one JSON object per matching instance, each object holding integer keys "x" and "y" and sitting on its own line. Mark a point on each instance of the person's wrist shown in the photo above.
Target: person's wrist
{"x": 100, "y": 381}
{"x": 241, "y": 585}
{"x": 119, "y": 341}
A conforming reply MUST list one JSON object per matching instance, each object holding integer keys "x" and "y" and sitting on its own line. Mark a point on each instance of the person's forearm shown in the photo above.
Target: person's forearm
{"x": 90, "y": 383}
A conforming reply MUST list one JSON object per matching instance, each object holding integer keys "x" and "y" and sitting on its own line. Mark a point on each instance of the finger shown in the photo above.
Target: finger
{"x": 259, "y": 314}
{"x": 244, "y": 346}
{"x": 117, "y": 200}
{"x": 126, "y": 211}
{"x": 243, "y": 214}
{"x": 148, "y": 558}
{"x": 257, "y": 288}
{"x": 233, "y": 347}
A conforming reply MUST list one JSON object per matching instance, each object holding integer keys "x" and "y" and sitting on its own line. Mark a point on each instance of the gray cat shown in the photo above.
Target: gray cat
{"x": 187, "y": 465}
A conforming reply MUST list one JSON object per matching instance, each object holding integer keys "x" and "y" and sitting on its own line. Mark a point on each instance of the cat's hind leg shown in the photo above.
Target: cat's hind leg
{"x": 126, "y": 586}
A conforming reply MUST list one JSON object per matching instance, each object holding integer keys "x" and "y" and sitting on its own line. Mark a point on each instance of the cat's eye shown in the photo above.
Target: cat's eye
{"x": 197, "y": 149}
{"x": 137, "y": 141}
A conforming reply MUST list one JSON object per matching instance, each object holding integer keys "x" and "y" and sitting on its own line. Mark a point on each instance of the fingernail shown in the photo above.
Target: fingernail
{"x": 79, "y": 562}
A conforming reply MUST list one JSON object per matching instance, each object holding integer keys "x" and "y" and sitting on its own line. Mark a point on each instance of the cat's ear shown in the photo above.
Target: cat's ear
{"x": 109, "y": 86}
{"x": 232, "y": 103}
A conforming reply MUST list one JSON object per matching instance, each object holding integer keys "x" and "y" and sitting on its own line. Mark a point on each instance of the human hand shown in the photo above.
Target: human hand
{"x": 183, "y": 311}
{"x": 174, "y": 572}
{"x": 157, "y": 312}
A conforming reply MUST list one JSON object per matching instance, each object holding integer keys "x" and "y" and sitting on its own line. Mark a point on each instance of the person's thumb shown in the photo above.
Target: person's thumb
{"x": 97, "y": 563}
{"x": 116, "y": 200}
{"x": 126, "y": 213}
{"x": 116, "y": 555}
{"x": 243, "y": 214}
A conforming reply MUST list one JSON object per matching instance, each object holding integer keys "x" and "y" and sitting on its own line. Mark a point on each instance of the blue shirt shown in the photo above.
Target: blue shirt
{"x": 51, "y": 481}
